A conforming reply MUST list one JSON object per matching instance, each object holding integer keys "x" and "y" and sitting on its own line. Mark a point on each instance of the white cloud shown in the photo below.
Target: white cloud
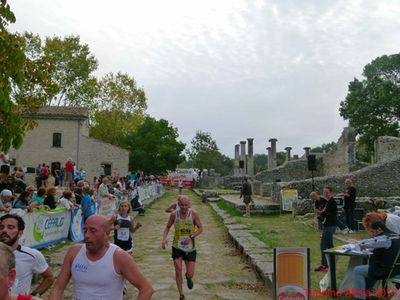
{"x": 235, "y": 68}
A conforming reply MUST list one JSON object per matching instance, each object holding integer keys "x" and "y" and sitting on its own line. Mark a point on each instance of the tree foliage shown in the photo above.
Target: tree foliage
{"x": 73, "y": 65}
{"x": 204, "y": 152}
{"x": 324, "y": 148}
{"x": 24, "y": 83}
{"x": 118, "y": 110}
{"x": 372, "y": 104}
{"x": 154, "y": 147}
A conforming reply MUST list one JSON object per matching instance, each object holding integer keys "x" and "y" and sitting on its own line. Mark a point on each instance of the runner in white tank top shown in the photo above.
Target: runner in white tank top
{"x": 93, "y": 280}
{"x": 98, "y": 268}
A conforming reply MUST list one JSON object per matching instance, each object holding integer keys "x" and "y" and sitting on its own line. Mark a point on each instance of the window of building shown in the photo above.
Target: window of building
{"x": 56, "y": 139}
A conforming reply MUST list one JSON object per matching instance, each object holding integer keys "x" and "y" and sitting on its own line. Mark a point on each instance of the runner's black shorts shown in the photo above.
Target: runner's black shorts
{"x": 188, "y": 256}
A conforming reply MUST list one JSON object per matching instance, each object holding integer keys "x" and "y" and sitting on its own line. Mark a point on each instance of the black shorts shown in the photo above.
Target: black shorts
{"x": 189, "y": 256}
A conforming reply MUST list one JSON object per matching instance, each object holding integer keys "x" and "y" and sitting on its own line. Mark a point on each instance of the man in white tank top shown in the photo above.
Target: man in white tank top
{"x": 98, "y": 268}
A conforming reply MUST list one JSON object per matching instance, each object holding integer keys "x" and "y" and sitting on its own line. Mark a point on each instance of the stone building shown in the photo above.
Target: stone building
{"x": 62, "y": 133}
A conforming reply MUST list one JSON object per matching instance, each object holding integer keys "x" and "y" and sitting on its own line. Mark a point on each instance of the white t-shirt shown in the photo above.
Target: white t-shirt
{"x": 64, "y": 202}
{"x": 28, "y": 262}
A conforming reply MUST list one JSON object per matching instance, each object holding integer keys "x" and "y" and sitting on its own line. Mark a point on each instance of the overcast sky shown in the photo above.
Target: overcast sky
{"x": 234, "y": 68}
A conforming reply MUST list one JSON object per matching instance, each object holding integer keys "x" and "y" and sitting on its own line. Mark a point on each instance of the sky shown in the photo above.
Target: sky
{"x": 237, "y": 69}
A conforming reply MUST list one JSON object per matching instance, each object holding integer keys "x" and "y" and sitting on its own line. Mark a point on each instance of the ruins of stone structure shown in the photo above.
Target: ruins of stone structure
{"x": 244, "y": 164}
{"x": 381, "y": 178}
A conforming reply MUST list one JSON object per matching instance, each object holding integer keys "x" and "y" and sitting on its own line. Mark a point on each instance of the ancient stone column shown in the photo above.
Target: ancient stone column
{"x": 243, "y": 157}
{"x": 306, "y": 151}
{"x": 288, "y": 149}
{"x": 269, "y": 161}
{"x": 273, "y": 149}
{"x": 236, "y": 171}
{"x": 250, "y": 159}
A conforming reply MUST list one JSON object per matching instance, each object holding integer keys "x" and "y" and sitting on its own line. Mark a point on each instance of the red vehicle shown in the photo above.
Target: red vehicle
{"x": 188, "y": 176}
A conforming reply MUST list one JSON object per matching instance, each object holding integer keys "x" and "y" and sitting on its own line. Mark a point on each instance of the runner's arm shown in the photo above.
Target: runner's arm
{"x": 166, "y": 230}
{"x": 171, "y": 208}
{"x": 131, "y": 272}
{"x": 57, "y": 292}
{"x": 199, "y": 226}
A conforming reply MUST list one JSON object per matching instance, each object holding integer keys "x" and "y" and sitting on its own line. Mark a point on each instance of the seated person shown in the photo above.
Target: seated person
{"x": 380, "y": 262}
{"x": 391, "y": 221}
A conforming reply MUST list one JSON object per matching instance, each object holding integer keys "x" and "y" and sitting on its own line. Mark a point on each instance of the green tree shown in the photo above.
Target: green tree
{"x": 204, "y": 152}
{"x": 154, "y": 147}
{"x": 260, "y": 162}
{"x": 24, "y": 84}
{"x": 324, "y": 148}
{"x": 372, "y": 104}
{"x": 118, "y": 110}
{"x": 72, "y": 67}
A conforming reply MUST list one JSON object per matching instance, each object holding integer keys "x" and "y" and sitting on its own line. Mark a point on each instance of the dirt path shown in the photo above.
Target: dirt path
{"x": 220, "y": 272}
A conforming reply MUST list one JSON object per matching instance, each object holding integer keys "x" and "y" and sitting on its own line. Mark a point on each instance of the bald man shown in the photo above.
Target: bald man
{"x": 187, "y": 227}
{"x": 98, "y": 268}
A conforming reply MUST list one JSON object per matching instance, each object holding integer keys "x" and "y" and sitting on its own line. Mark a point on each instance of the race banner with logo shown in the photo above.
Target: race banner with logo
{"x": 43, "y": 227}
{"x": 76, "y": 228}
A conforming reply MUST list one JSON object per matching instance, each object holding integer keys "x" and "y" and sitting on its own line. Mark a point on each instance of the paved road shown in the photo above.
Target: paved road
{"x": 220, "y": 271}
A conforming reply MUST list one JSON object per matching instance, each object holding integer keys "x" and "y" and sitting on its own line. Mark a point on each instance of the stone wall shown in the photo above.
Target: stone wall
{"x": 386, "y": 147}
{"x": 290, "y": 170}
{"x": 341, "y": 160}
{"x": 379, "y": 180}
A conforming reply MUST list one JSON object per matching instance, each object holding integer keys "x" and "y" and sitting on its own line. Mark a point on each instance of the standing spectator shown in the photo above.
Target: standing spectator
{"x": 87, "y": 204}
{"x": 62, "y": 176}
{"x": 57, "y": 174}
{"x": 28, "y": 261}
{"x": 20, "y": 185}
{"x": 44, "y": 175}
{"x": 79, "y": 195}
{"x": 328, "y": 217}
{"x": 66, "y": 201}
{"x": 103, "y": 190}
{"x": 69, "y": 172}
{"x": 349, "y": 204}
{"x": 246, "y": 193}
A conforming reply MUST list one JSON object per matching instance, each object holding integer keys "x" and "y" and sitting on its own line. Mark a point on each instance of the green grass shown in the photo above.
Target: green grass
{"x": 231, "y": 211}
{"x": 286, "y": 231}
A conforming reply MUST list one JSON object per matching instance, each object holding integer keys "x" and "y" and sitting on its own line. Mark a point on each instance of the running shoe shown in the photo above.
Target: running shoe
{"x": 189, "y": 282}
{"x": 182, "y": 297}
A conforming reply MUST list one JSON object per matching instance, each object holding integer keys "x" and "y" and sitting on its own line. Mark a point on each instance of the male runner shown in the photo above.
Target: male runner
{"x": 187, "y": 227}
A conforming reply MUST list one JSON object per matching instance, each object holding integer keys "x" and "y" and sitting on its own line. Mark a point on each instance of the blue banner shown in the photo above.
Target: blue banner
{"x": 76, "y": 228}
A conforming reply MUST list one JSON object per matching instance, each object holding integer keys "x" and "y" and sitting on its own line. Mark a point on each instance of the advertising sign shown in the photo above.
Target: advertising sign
{"x": 292, "y": 273}
{"x": 76, "y": 228}
{"x": 287, "y": 198}
{"x": 44, "y": 228}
